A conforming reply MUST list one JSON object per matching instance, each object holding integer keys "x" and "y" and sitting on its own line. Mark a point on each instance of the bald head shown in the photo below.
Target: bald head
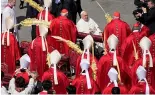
{"x": 84, "y": 15}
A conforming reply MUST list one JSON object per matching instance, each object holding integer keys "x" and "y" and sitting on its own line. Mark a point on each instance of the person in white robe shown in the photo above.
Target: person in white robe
{"x": 88, "y": 25}
{"x": 3, "y": 4}
{"x": 3, "y": 89}
{"x": 13, "y": 89}
{"x": 9, "y": 11}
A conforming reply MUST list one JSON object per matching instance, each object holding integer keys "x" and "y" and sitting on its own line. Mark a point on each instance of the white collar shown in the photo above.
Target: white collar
{"x": 111, "y": 51}
{"x": 135, "y": 30}
{"x": 142, "y": 25}
{"x": 83, "y": 74}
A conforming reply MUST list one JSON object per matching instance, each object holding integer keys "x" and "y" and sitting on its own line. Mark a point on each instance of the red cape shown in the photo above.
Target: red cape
{"x": 140, "y": 89}
{"x": 65, "y": 28}
{"x": 63, "y": 81}
{"x": 78, "y": 68}
{"x": 104, "y": 65}
{"x": 81, "y": 85}
{"x": 108, "y": 90}
{"x": 128, "y": 49}
{"x": 38, "y": 57}
{"x": 119, "y": 28}
{"x": 150, "y": 75}
{"x": 10, "y": 54}
{"x": 144, "y": 31}
{"x": 152, "y": 49}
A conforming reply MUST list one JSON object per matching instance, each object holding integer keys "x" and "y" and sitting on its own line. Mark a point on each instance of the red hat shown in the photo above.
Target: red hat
{"x": 24, "y": 75}
{"x": 117, "y": 14}
{"x": 64, "y": 11}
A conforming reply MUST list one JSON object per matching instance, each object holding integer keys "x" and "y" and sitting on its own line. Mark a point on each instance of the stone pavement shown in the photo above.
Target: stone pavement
{"x": 125, "y": 7}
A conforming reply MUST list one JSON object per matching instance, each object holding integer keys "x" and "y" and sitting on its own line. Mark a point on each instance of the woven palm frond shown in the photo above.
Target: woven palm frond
{"x": 34, "y": 5}
{"x": 33, "y": 21}
{"x": 108, "y": 17}
{"x": 70, "y": 44}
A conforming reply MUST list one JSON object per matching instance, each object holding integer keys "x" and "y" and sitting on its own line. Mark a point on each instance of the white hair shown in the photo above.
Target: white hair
{"x": 82, "y": 12}
{"x": 64, "y": 14}
{"x": 115, "y": 17}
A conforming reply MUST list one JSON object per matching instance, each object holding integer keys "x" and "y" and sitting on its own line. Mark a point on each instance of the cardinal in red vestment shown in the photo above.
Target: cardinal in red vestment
{"x": 84, "y": 83}
{"x": 144, "y": 30}
{"x": 38, "y": 51}
{"x": 109, "y": 60}
{"x": 113, "y": 76}
{"x": 142, "y": 87}
{"x": 117, "y": 27}
{"x": 88, "y": 44}
{"x": 146, "y": 61}
{"x": 45, "y": 15}
{"x": 65, "y": 28}
{"x": 24, "y": 65}
{"x": 152, "y": 48}
{"x": 58, "y": 78}
{"x": 130, "y": 48}
{"x": 10, "y": 52}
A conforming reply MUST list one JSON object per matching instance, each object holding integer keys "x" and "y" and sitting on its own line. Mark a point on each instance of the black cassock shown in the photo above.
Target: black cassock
{"x": 73, "y": 7}
{"x": 56, "y": 8}
{"x": 139, "y": 3}
{"x": 149, "y": 19}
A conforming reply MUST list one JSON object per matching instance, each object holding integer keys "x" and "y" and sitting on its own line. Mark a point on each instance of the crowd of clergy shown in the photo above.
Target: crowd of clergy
{"x": 52, "y": 63}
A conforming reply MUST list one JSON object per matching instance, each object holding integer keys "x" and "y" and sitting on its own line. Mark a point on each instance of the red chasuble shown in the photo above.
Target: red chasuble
{"x": 150, "y": 75}
{"x": 63, "y": 81}
{"x": 104, "y": 65}
{"x": 65, "y": 28}
{"x": 128, "y": 53}
{"x": 10, "y": 54}
{"x": 80, "y": 83}
{"x": 119, "y": 28}
{"x": 152, "y": 48}
{"x": 140, "y": 88}
{"x": 108, "y": 90}
{"x": 90, "y": 70}
{"x": 144, "y": 31}
{"x": 38, "y": 57}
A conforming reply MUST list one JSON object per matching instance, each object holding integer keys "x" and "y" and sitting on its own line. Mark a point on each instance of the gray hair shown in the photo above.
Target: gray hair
{"x": 82, "y": 12}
